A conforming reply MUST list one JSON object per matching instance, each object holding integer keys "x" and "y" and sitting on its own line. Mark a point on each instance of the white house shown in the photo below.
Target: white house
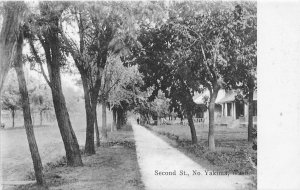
{"x": 231, "y": 109}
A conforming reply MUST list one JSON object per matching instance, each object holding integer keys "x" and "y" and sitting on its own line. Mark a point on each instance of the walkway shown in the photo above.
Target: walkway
{"x": 155, "y": 155}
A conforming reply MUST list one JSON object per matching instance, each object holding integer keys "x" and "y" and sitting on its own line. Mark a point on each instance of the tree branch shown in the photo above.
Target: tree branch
{"x": 39, "y": 61}
{"x": 116, "y": 82}
{"x": 71, "y": 46}
{"x": 46, "y": 48}
{"x": 210, "y": 74}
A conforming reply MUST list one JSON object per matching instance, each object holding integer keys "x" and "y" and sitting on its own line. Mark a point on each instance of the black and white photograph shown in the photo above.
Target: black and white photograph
{"x": 137, "y": 95}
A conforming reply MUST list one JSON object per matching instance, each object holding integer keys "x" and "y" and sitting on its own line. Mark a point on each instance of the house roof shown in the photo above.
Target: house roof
{"x": 230, "y": 97}
{"x": 223, "y": 96}
{"x": 199, "y": 98}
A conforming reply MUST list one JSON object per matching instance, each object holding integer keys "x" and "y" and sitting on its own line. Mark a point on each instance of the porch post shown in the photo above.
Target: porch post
{"x": 222, "y": 113}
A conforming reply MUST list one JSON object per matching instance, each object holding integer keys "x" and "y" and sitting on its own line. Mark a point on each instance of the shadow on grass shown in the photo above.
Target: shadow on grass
{"x": 114, "y": 166}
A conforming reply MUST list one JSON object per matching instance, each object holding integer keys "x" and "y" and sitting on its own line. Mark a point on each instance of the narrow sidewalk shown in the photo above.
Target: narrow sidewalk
{"x": 155, "y": 155}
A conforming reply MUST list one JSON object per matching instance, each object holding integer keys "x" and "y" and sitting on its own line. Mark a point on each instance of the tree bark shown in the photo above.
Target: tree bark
{"x": 192, "y": 126}
{"x": 12, "y": 17}
{"x": 59, "y": 102}
{"x": 0, "y": 114}
{"x": 103, "y": 128}
{"x": 124, "y": 117}
{"x": 13, "y": 117}
{"x": 89, "y": 140}
{"x": 250, "y": 113}
{"x": 211, "y": 133}
{"x": 114, "y": 119}
{"x": 211, "y": 111}
{"x": 37, "y": 163}
{"x": 91, "y": 80}
{"x": 41, "y": 118}
{"x": 119, "y": 118}
{"x": 63, "y": 120}
{"x": 50, "y": 42}
{"x": 97, "y": 130}
{"x": 33, "y": 117}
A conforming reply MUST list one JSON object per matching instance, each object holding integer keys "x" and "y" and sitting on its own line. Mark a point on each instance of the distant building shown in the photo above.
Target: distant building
{"x": 231, "y": 109}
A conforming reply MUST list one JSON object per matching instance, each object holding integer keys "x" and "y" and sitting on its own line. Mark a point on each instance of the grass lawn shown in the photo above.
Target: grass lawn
{"x": 114, "y": 166}
{"x": 232, "y": 148}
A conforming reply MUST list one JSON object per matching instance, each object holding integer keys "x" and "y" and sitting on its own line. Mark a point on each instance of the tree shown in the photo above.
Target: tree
{"x": 41, "y": 100}
{"x": 196, "y": 48}
{"x": 90, "y": 57}
{"x": 1, "y": 125}
{"x": 45, "y": 28}
{"x": 157, "y": 109}
{"x": 10, "y": 97}
{"x": 246, "y": 67}
{"x": 12, "y": 17}
{"x": 105, "y": 28}
{"x": 162, "y": 105}
{"x": 123, "y": 89}
{"x": 109, "y": 81}
{"x": 37, "y": 163}
{"x": 209, "y": 43}
{"x": 182, "y": 95}
{"x": 164, "y": 69}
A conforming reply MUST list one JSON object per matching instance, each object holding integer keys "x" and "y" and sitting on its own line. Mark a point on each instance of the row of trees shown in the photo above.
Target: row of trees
{"x": 39, "y": 97}
{"x": 101, "y": 40}
{"x": 202, "y": 46}
{"x": 179, "y": 47}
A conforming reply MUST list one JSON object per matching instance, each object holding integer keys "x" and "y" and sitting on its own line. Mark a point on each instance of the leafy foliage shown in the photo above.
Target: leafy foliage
{"x": 10, "y": 97}
{"x": 199, "y": 46}
{"x": 41, "y": 98}
{"x": 121, "y": 83}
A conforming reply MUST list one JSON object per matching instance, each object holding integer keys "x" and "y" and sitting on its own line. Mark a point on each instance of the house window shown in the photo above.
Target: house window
{"x": 228, "y": 109}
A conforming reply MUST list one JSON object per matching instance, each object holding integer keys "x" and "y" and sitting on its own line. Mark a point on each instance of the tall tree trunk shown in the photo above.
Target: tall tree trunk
{"x": 97, "y": 129}
{"x": 63, "y": 120}
{"x": 192, "y": 126}
{"x": 33, "y": 117}
{"x": 114, "y": 119}
{"x": 59, "y": 102}
{"x": 12, "y": 17}
{"x": 51, "y": 44}
{"x": 37, "y": 163}
{"x": 211, "y": 133}
{"x": 124, "y": 117}
{"x": 13, "y": 117}
{"x": 41, "y": 118}
{"x": 103, "y": 128}
{"x": 211, "y": 111}
{"x": 89, "y": 140}
{"x": 0, "y": 114}
{"x": 119, "y": 118}
{"x": 250, "y": 113}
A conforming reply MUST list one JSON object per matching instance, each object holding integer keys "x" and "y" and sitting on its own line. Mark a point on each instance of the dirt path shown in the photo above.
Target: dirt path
{"x": 155, "y": 155}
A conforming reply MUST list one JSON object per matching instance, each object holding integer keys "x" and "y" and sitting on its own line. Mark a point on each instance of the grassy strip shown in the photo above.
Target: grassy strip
{"x": 114, "y": 166}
